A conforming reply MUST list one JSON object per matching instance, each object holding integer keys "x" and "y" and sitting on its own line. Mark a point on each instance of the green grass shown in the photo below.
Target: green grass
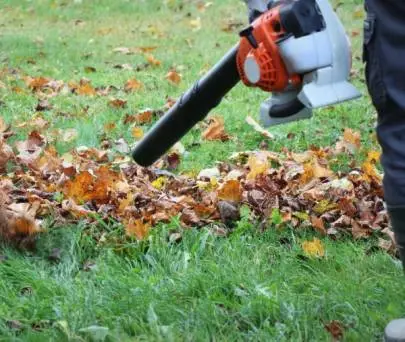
{"x": 250, "y": 286}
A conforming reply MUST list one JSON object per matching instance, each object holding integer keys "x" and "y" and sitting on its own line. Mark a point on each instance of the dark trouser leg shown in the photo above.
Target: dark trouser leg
{"x": 384, "y": 54}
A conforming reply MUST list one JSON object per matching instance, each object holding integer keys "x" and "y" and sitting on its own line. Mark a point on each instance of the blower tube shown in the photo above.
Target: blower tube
{"x": 192, "y": 107}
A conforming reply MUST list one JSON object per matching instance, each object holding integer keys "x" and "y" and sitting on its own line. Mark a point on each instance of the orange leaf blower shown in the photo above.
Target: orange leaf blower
{"x": 295, "y": 49}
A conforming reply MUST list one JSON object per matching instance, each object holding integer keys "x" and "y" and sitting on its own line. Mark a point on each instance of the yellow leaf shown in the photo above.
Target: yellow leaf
{"x": 159, "y": 183}
{"x": 137, "y": 132}
{"x": 313, "y": 248}
{"x": 196, "y": 24}
{"x": 258, "y": 164}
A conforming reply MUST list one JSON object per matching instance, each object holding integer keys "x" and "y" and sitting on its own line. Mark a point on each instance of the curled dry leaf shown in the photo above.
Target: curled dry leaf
{"x": 256, "y": 126}
{"x": 215, "y": 130}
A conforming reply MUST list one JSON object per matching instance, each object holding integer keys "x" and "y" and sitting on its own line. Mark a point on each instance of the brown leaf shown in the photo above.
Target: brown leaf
{"x": 318, "y": 224}
{"x": 117, "y": 103}
{"x": 336, "y": 329}
{"x": 190, "y": 218}
{"x": 215, "y": 130}
{"x": 6, "y": 154}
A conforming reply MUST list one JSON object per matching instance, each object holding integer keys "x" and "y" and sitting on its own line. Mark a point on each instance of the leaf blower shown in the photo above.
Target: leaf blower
{"x": 296, "y": 49}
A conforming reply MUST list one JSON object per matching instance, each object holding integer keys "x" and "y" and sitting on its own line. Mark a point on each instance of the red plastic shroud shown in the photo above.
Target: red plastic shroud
{"x": 267, "y": 31}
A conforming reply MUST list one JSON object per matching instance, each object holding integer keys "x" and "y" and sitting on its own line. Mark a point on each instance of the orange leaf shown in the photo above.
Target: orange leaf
{"x": 132, "y": 85}
{"x": 85, "y": 89}
{"x": 37, "y": 83}
{"x": 174, "y": 77}
{"x": 137, "y": 229}
{"x": 152, "y": 60}
{"x": 215, "y": 130}
{"x": 144, "y": 117}
{"x": 230, "y": 191}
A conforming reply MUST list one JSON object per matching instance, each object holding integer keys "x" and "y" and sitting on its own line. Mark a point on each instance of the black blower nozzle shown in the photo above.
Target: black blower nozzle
{"x": 192, "y": 107}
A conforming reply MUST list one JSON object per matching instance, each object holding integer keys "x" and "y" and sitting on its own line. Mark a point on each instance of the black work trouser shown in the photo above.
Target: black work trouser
{"x": 384, "y": 55}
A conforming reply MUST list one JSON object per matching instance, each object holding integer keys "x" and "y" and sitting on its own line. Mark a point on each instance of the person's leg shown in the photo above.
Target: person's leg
{"x": 384, "y": 54}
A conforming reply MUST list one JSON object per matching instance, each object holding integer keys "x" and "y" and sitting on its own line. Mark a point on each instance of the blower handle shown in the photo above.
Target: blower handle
{"x": 192, "y": 107}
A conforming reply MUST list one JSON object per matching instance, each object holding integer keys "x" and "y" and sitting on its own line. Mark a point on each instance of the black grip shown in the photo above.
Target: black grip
{"x": 192, "y": 107}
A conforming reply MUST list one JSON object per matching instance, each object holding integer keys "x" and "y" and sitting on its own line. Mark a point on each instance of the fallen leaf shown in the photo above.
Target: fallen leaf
{"x": 256, "y": 126}
{"x": 6, "y": 154}
{"x": 117, "y": 103}
{"x": 174, "y": 77}
{"x": 313, "y": 248}
{"x": 215, "y": 130}
{"x": 3, "y": 126}
{"x": 230, "y": 191}
{"x": 336, "y": 329}
{"x": 258, "y": 164}
{"x": 137, "y": 132}
{"x": 123, "y": 50}
{"x": 195, "y": 24}
{"x": 152, "y": 60}
{"x": 132, "y": 85}
{"x": 318, "y": 224}
{"x": 137, "y": 229}
{"x": 69, "y": 135}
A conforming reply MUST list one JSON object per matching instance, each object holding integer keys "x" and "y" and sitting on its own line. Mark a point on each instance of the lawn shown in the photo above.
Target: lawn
{"x": 255, "y": 284}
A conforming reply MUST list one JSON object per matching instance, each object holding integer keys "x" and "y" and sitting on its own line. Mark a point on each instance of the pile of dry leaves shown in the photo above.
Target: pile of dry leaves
{"x": 299, "y": 190}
